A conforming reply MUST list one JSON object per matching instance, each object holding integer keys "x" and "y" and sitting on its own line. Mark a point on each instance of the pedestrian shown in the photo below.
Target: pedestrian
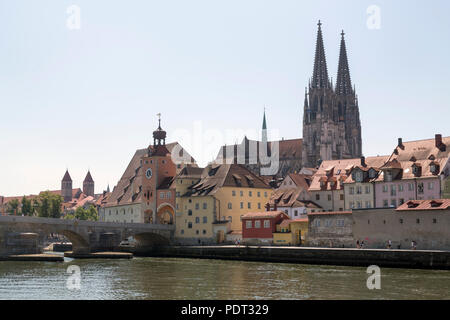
{"x": 413, "y": 245}
{"x": 389, "y": 244}
{"x": 362, "y": 244}
{"x": 357, "y": 244}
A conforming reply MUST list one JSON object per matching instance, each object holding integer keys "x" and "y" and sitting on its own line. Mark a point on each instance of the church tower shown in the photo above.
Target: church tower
{"x": 66, "y": 187}
{"x": 331, "y": 126}
{"x": 88, "y": 185}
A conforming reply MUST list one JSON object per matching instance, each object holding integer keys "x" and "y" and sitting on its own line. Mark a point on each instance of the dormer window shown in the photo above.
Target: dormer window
{"x": 434, "y": 168}
{"x": 416, "y": 169}
{"x": 372, "y": 173}
{"x": 388, "y": 176}
{"x": 359, "y": 176}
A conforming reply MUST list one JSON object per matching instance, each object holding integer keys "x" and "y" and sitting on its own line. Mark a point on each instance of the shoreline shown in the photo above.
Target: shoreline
{"x": 392, "y": 258}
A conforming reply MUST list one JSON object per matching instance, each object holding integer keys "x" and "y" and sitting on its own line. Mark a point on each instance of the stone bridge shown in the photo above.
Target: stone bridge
{"x": 86, "y": 236}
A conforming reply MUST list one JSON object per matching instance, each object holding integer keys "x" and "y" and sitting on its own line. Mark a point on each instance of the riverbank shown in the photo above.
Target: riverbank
{"x": 411, "y": 259}
{"x": 99, "y": 255}
{"x": 33, "y": 257}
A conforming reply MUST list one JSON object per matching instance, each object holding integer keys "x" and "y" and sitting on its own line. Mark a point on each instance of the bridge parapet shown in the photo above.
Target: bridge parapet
{"x": 86, "y": 236}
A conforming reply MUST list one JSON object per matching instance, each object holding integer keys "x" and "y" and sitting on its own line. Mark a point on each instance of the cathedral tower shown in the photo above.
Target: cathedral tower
{"x": 331, "y": 127}
{"x": 66, "y": 187}
{"x": 88, "y": 185}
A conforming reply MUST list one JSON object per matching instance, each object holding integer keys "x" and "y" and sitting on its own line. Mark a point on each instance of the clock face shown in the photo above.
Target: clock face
{"x": 148, "y": 173}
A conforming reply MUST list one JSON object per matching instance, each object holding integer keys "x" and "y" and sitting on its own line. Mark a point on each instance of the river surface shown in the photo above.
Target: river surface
{"x": 173, "y": 278}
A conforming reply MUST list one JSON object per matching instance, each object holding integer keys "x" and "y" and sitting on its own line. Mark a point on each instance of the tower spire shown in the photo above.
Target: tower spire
{"x": 343, "y": 83}
{"x": 264, "y": 127}
{"x": 320, "y": 73}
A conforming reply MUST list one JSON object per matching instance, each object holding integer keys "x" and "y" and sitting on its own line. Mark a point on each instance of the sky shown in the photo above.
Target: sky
{"x": 80, "y": 86}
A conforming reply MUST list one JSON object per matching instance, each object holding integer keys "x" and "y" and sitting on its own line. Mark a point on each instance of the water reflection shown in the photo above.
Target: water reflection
{"x": 162, "y": 278}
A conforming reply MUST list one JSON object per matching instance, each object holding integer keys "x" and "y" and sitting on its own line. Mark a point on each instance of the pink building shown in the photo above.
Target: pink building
{"x": 416, "y": 170}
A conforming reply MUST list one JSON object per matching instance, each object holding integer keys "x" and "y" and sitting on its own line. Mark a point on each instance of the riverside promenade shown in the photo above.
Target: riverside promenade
{"x": 413, "y": 259}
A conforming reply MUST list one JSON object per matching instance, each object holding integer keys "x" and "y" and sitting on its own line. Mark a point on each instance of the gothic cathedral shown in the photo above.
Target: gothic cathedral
{"x": 331, "y": 124}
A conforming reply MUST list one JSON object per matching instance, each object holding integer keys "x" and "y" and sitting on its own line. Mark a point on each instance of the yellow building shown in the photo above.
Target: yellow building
{"x": 291, "y": 232}
{"x": 210, "y": 204}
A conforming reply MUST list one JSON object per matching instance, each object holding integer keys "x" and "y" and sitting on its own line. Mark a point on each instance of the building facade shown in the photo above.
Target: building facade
{"x": 259, "y": 227}
{"x": 416, "y": 170}
{"x": 331, "y": 229}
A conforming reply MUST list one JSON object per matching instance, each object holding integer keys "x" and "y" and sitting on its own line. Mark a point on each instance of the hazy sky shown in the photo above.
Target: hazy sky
{"x": 87, "y": 98}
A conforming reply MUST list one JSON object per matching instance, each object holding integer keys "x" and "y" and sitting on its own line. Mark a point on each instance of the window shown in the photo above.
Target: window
{"x": 257, "y": 224}
{"x": 394, "y": 203}
{"x": 177, "y": 194}
{"x": 190, "y": 225}
{"x": 249, "y": 205}
{"x": 161, "y": 195}
{"x": 296, "y": 213}
{"x": 204, "y": 231}
{"x": 341, "y": 197}
{"x": 204, "y": 205}
{"x": 230, "y": 205}
{"x": 242, "y": 193}
{"x": 368, "y": 204}
{"x": 196, "y": 232}
{"x": 417, "y": 221}
{"x": 265, "y": 194}
{"x": 385, "y": 203}
{"x": 352, "y": 190}
{"x": 359, "y": 190}
{"x": 249, "y": 193}
{"x": 317, "y": 196}
{"x": 233, "y": 193}
{"x": 266, "y": 223}
{"x": 393, "y": 190}
{"x": 434, "y": 221}
{"x": 385, "y": 188}
{"x": 329, "y": 197}
{"x": 248, "y": 224}
{"x": 430, "y": 185}
{"x": 182, "y": 231}
{"x": 259, "y": 194}
{"x": 259, "y": 205}
{"x": 352, "y": 204}
{"x": 410, "y": 186}
{"x": 197, "y": 220}
{"x": 420, "y": 187}
{"x": 359, "y": 205}
{"x": 205, "y": 219}
{"x": 230, "y": 218}
{"x": 242, "y": 205}
{"x": 400, "y": 188}
{"x": 197, "y": 206}
{"x": 401, "y": 220}
{"x": 367, "y": 189}
{"x": 189, "y": 212}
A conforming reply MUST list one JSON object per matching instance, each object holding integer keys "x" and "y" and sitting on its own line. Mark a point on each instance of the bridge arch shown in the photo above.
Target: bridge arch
{"x": 165, "y": 214}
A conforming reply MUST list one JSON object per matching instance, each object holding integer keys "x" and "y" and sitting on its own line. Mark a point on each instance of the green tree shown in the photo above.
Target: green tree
{"x": 80, "y": 213}
{"x": 49, "y": 205}
{"x": 13, "y": 206}
{"x": 27, "y": 209}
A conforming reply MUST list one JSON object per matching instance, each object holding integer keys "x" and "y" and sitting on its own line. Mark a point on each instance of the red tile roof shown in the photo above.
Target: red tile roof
{"x": 416, "y": 205}
{"x": 329, "y": 213}
{"x": 263, "y": 214}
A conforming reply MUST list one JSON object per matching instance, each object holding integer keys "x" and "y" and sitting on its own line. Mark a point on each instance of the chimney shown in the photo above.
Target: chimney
{"x": 438, "y": 142}
{"x": 275, "y": 206}
{"x": 400, "y": 143}
{"x": 267, "y": 207}
{"x": 363, "y": 161}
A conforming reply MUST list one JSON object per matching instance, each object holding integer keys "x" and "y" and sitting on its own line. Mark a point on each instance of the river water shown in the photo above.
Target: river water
{"x": 172, "y": 278}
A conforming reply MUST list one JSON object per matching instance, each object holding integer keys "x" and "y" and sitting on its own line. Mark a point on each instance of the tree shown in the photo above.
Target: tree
{"x": 27, "y": 209}
{"x": 13, "y": 206}
{"x": 80, "y": 213}
{"x": 49, "y": 205}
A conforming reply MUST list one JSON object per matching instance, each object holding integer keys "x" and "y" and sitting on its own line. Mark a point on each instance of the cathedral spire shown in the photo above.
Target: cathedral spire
{"x": 264, "y": 128}
{"x": 344, "y": 82}
{"x": 320, "y": 74}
